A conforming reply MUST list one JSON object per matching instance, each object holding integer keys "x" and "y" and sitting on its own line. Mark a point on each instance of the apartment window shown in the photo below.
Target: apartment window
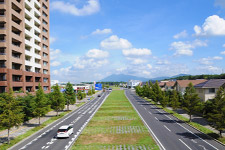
{"x": 37, "y": 79}
{"x": 45, "y": 55}
{"x": 16, "y": 31}
{"x": 28, "y": 68}
{"x": 27, "y": 27}
{"x": 44, "y": 30}
{"x": 44, "y": 38}
{"x": 37, "y": 24}
{"x": 37, "y": 52}
{"x": 29, "y": 79}
{"x": 45, "y": 71}
{"x": 2, "y": 25}
{"x": 44, "y": 6}
{"x": 16, "y": 8}
{"x": 2, "y": 64}
{"x": 16, "y": 78}
{"x": 16, "y": 42}
{"x": 16, "y": 54}
{"x": 2, "y": 89}
{"x": 45, "y": 80}
{"x": 2, "y": 1}
{"x": 2, "y": 77}
{"x": 212, "y": 90}
{"x": 2, "y": 51}
{"x": 2, "y": 12}
{"x": 45, "y": 46}
{"x": 27, "y": 47}
{"x": 16, "y": 66}
{"x": 45, "y": 63}
{"x": 44, "y": 14}
{"x": 36, "y": 6}
{"x": 28, "y": 88}
{"x": 17, "y": 89}
{"x": 37, "y": 70}
{"x": 27, "y": 17}
{"x": 2, "y": 38}
{"x": 45, "y": 88}
{"x": 37, "y": 15}
{"x": 16, "y": 20}
{"x": 27, "y": 7}
{"x": 27, "y": 58}
{"x": 37, "y": 61}
{"x": 36, "y": 33}
{"x": 18, "y": 1}
{"x": 27, "y": 37}
{"x": 44, "y": 22}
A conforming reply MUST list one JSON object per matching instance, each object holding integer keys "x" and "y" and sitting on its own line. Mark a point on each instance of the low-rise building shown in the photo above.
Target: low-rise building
{"x": 181, "y": 85}
{"x": 169, "y": 86}
{"x": 207, "y": 90}
{"x": 131, "y": 84}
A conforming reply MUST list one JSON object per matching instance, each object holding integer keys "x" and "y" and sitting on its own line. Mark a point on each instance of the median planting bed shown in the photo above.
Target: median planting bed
{"x": 116, "y": 125}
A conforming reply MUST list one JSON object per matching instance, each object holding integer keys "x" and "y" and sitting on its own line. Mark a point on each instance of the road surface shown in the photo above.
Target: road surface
{"x": 46, "y": 138}
{"x": 169, "y": 132}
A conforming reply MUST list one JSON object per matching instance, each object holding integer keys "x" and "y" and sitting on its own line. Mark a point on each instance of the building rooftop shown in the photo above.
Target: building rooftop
{"x": 213, "y": 83}
{"x": 184, "y": 83}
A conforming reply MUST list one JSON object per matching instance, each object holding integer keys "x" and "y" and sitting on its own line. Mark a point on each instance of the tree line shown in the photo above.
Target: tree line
{"x": 213, "y": 110}
{"x": 204, "y": 76}
{"x": 16, "y": 110}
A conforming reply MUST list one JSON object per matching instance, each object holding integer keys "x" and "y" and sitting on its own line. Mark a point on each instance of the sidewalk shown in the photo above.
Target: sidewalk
{"x": 14, "y": 132}
{"x": 200, "y": 120}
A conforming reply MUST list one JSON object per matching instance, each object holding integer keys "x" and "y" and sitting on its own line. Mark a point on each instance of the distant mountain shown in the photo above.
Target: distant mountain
{"x": 122, "y": 77}
{"x": 125, "y": 78}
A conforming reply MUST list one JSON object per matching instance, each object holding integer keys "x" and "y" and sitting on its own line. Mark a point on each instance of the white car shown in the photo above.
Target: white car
{"x": 64, "y": 131}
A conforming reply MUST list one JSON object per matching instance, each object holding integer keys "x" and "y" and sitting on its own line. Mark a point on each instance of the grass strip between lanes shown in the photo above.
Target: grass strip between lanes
{"x": 115, "y": 125}
{"x": 193, "y": 124}
{"x": 34, "y": 130}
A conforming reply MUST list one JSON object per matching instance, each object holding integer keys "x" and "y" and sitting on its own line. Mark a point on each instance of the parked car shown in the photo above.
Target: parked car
{"x": 64, "y": 131}
{"x": 99, "y": 95}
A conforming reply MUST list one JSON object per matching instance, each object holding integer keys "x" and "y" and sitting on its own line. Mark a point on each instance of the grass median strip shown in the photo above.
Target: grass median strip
{"x": 116, "y": 125}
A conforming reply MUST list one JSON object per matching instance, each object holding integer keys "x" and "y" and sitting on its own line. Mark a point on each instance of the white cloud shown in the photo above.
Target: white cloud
{"x": 213, "y": 26}
{"x": 186, "y": 48}
{"x": 92, "y": 6}
{"x": 220, "y": 3}
{"x": 55, "y": 63}
{"x": 182, "y": 34}
{"x": 104, "y": 31}
{"x": 54, "y": 53}
{"x": 146, "y": 72}
{"x": 137, "y": 52}
{"x": 223, "y": 53}
{"x": 115, "y": 43}
{"x": 136, "y": 61}
{"x": 96, "y": 53}
{"x": 52, "y": 40}
{"x": 149, "y": 66}
{"x": 209, "y": 60}
{"x": 209, "y": 69}
{"x": 83, "y": 63}
{"x": 163, "y": 62}
{"x": 223, "y": 45}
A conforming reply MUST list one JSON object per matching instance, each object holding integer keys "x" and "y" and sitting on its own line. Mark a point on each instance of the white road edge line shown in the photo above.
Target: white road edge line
{"x": 157, "y": 119}
{"x": 157, "y": 140}
{"x": 185, "y": 144}
{"x": 167, "y": 128}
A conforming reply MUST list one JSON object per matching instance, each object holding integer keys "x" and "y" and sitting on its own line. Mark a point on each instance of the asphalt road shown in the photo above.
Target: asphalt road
{"x": 169, "y": 132}
{"x": 46, "y": 138}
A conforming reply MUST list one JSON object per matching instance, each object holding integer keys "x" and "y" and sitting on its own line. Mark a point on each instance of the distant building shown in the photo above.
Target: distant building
{"x": 54, "y": 82}
{"x": 169, "y": 85}
{"x": 131, "y": 84}
{"x": 207, "y": 90}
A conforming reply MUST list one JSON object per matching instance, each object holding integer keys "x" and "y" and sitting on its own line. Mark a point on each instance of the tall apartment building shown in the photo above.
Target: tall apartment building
{"x": 24, "y": 45}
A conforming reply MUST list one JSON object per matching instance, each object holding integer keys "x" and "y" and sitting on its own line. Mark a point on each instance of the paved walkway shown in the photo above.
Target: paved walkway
{"x": 200, "y": 120}
{"x": 14, "y": 132}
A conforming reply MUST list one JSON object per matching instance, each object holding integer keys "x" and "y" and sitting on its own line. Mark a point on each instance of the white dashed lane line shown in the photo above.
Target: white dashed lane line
{"x": 157, "y": 119}
{"x": 185, "y": 144}
{"x": 167, "y": 128}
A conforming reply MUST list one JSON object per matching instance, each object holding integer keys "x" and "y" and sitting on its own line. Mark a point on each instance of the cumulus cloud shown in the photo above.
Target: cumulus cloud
{"x": 104, "y": 31}
{"x": 182, "y": 34}
{"x": 81, "y": 63}
{"x": 55, "y": 63}
{"x": 136, "y": 61}
{"x": 213, "y": 26}
{"x": 209, "y": 60}
{"x": 96, "y": 53}
{"x": 162, "y": 62}
{"x": 54, "y": 53}
{"x": 137, "y": 52}
{"x": 209, "y": 69}
{"x": 146, "y": 72}
{"x": 220, "y": 3}
{"x": 115, "y": 43}
{"x": 149, "y": 66}
{"x": 223, "y": 53}
{"x": 186, "y": 48}
{"x": 91, "y": 7}
{"x": 52, "y": 40}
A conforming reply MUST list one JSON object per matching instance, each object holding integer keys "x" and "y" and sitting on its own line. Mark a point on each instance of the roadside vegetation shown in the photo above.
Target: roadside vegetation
{"x": 212, "y": 110}
{"x": 116, "y": 125}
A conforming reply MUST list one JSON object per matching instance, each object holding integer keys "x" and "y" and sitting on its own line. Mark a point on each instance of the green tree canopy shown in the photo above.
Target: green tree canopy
{"x": 58, "y": 100}
{"x": 69, "y": 95}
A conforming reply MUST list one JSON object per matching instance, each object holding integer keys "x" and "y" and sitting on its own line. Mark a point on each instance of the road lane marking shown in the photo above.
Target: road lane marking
{"x": 149, "y": 112}
{"x": 157, "y": 119}
{"x": 152, "y": 133}
{"x": 167, "y": 128}
{"x": 193, "y": 141}
{"x": 144, "y": 108}
{"x": 203, "y": 147}
{"x": 185, "y": 144}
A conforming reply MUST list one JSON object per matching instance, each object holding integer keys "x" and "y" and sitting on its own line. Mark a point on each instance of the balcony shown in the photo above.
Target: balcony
{"x": 29, "y": 79}
{"x": 2, "y": 64}
{"x": 16, "y": 19}
{"x": 17, "y": 78}
{"x": 16, "y": 66}
{"x": 16, "y": 8}
{"x": 37, "y": 79}
{"x": 3, "y": 77}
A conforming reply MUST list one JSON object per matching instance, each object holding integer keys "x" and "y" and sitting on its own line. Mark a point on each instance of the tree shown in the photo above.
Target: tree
{"x": 12, "y": 114}
{"x": 174, "y": 100}
{"x": 164, "y": 101}
{"x": 191, "y": 100}
{"x": 41, "y": 107}
{"x": 157, "y": 92}
{"x": 69, "y": 95}
{"x": 58, "y": 100}
{"x": 89, "y": 92}
{"x": 217, "y": 114}
{"x": 93, "y": 90}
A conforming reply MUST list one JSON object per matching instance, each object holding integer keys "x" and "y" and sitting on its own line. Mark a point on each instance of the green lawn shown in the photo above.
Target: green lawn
{"x": 115, "y": 125}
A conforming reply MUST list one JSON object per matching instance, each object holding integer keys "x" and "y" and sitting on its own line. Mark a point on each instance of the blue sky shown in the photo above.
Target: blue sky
{"x": 92, "y": 39}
